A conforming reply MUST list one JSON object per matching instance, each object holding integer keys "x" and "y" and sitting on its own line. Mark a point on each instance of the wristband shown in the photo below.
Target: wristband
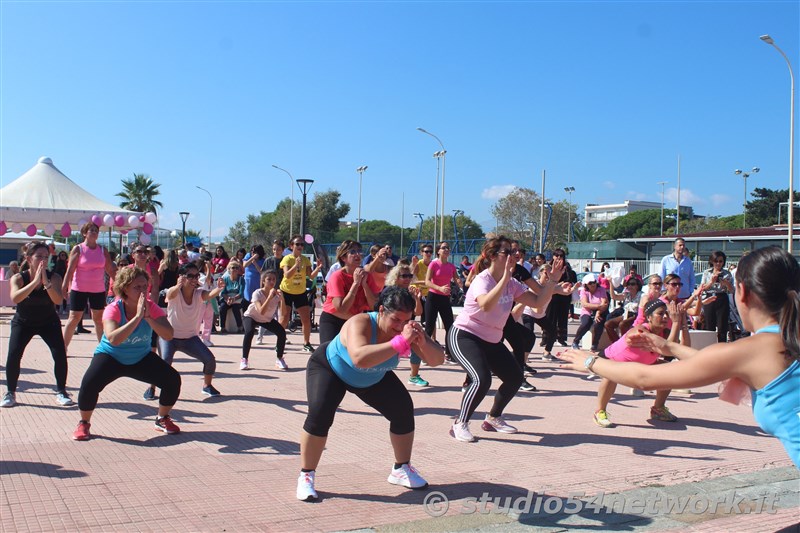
{"x": 401, "y": 345}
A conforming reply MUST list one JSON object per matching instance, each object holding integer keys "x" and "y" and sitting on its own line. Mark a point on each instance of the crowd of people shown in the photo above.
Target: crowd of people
{"x": 381, "y": 309}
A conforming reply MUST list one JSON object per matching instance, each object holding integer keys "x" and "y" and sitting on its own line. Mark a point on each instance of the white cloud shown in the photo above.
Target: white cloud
{"x": 719, "y": 199}
{"x": 687, "y": 197}
{"x": 609, "y": 184}
{"x": 633, "y": 195}
{"x": 495, "y": 192}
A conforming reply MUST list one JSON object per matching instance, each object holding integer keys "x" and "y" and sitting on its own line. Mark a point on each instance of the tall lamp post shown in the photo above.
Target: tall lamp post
{"x": 304, "y": 185}
{"x": 291, "y": 205}
{"x": 662, "y": 183}
{"x": 456, "y": 212}
{"x": 210, "y": 209}
{"x": 745, "y": 175}
{"x": 442, "y": 155}
{"x": 569, "y": 191}
{"x": 184, "y": 216}
{"x": 767, "y": 39}
{"x": 360, "y": 171}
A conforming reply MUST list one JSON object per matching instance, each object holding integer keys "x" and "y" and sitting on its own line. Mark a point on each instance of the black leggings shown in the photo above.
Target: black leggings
{"x": 716, "y": 316}
{"x": 558, "y": 315}
{"x": 223, "y": 314}
{"x": 437, "y": 304}
{"x": 480, "y": 359}
{"x": 326, "y": 390}
{"x": 587, "y": 323}
{"x": 329, "y": 326}
{"x": 272, "y": 326}
{"x": 104, "y": 369}
{"x": 21, "y": 335}
{"x": 548, "y": 333}
{"x": 520, "y": 338}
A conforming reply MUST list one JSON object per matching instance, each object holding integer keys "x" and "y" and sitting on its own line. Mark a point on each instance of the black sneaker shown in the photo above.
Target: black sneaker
{"x": 210, "y": 391}
{"x": 527, "y": 387}
{"x": 308, "y": 348}
{"x": 563, "y": 343}
{"x": 530, "y": 371}
{"x": 149, "y": 394}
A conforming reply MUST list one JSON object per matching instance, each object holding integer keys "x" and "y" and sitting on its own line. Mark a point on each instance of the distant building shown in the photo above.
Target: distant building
{"x": 598, "y": 216}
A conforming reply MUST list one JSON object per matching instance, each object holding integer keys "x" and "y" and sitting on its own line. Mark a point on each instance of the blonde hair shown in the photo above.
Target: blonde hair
{"x": 126, "y": 277}
{"x": 402, "y": 265}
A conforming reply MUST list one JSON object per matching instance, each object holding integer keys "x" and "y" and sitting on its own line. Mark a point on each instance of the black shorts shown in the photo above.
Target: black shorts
{"x": 77, "y": 300}
{"x": 298, "y": 300}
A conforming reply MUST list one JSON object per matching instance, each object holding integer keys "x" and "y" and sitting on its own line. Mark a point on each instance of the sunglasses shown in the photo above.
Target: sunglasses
{"x": 656, "y": 283}
{"x": 504, "y": 251}
{"x": 140, "y": 251}
{"x": 675, "y": 284}
{"x": 192, "y": 276}
{"x": 234, "y": 268}
{"x": 427, "y": 251}
{"x": 406, "y": 276}
{"x": 298, "y": 244}
{"x": 444, "y": 248}
{"x": 354, "y": 252}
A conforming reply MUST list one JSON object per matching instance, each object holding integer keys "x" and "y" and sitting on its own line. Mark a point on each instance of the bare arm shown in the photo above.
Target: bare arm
{"x": 71, "y": 266}
{"x": 356, "y": 335}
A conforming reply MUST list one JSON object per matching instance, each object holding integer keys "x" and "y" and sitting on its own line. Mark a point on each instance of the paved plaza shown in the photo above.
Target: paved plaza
{"x": 234, "y": 466}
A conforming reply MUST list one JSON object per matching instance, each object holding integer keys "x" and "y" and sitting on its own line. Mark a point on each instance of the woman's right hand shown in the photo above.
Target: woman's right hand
{"x": 639, "y": 337}
{"x": 141, "y": 307}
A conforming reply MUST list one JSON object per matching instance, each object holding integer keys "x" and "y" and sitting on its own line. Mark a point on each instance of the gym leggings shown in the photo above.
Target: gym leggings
{"x": 272, "y": 326}
{"x": 21, "y": 335}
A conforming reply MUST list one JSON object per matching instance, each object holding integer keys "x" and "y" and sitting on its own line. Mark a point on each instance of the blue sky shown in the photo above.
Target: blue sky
{"x": 603, "y": 95}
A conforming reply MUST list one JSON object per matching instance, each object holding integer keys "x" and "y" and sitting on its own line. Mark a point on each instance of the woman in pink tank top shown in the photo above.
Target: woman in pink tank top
{"x": 84, "y": 281}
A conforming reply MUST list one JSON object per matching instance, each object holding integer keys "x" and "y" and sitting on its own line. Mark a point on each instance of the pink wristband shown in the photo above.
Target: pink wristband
{"x": 400, "y": 344}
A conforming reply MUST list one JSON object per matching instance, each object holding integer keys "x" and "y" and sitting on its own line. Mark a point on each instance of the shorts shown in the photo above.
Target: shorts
{"x": 77, "y": 300}
{"x": 298, "y": 300}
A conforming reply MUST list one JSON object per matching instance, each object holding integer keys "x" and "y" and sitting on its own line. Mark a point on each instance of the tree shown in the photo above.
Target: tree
{"x": 139, "y": 194}
{"x": 518, "y": 216}
{"x": 324, "y": 212}
{"x": 763, "y": 210}
{"x": 581, "y": 233}
{"x": 238, "y": 237}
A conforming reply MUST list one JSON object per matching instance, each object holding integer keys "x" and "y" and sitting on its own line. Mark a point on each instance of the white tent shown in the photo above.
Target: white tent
{"x": 43, "y": 195}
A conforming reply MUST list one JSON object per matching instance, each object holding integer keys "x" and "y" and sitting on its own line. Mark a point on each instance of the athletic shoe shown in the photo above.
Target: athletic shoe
{"x": 260, "y": 339}
{"x": 305, "y": 487}
{"x": 208, "y": 343}
{"x": 575, "y": 346}
{"x": 407, "y": 476}
{"x": 82, "y": 431}
{"x": 9, "y": 400}
{"x": 563, "y": 343}
{"x": 81, "y": 329}
{"x": 662, "y": 414}
{"x": 527, "y": 387}
{"x": 210, "y": 391}
{"x": 243, "y": 364}
{"x": 448, "y": 359}
{"x": 637, "y": 392}
{"x": 601, "y": 419}
{"x": 547, "y": 356}
{"x": 460, "y": 431}
{"x": 594, "y": 349}
{"x": 308, "y": 348}
{"x": 166, "y": 425}
{"x": 418, "y": 381}
{"x": 498, "y": 424}
{"x": 591, "y": 376}
{"x": 149, "y": 394}
{"x": 530, "y": 371}
{"x": 63, "y": 398}
{"x": 280, "y": 364}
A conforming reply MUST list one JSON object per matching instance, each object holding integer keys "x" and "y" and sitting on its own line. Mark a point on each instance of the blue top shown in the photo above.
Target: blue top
{"x": 134, "y": 348}
{"x": 232, "y": 288}
{"x": 344, "y": 368}
{"x": 776, "y": 407}
{"x": 683, "y": 269}
{"x": 252, "y": 276}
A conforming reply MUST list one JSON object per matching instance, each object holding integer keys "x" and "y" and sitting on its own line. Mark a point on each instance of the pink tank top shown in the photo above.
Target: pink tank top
{"x": 89, "y": 273}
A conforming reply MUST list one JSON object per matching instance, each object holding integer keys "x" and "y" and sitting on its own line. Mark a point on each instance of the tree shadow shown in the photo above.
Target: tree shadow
{"x": 148, "y": 410}
{"x": 229, "y": 442}
{"x": 38, "y": 469}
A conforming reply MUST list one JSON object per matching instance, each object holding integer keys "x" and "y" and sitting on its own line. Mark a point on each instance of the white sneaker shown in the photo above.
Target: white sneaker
{"x": 591, "y": 376}
{"x": 498, "y": 424}
{"x": 63, "y": 398}
{"x": 305, "y": 487}
{"x": 547, "y": 356}
{"x": 407, "y": 476}
{"x": 637, "y": 392}
{"x": 460, "y": 431}
{"x": 9, "y": 400}
{"x": 208, "y": 343}
{"x": 260, "y": 340}
{"x": 280, "y": 364}
{"x": 243, "y": 365}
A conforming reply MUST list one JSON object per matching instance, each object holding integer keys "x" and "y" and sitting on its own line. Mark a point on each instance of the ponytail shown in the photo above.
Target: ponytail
{"x": 789, "y": 320}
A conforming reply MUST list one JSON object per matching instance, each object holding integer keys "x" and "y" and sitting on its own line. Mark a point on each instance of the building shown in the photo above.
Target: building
{"x": 598, "y": 216}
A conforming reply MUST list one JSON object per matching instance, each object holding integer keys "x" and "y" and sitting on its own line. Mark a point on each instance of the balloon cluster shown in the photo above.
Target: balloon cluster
{"x": 134, "y": 221}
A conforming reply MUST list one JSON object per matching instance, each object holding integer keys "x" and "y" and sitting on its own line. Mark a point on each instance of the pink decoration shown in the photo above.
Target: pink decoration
{"x": 16, "y": 227}
{"x": 49, "y": 229}
{"x": 147, "y": 228}
{"x": 150, "y": 217}
{"x": 309, "y": 238}
{"x": 133, "y": 221}
{"x": 97, "y": 221}
{"x": 123, "y": 231}
{"x": 66, "y": 230}
{"x": 144, "y": 239}
{"x": 141, "y": 218}
{"x": 3, "y": 227}
{"x": 119, "y": 220}
{"x": 31, "y": 230}
{"x": 108, "y": 220}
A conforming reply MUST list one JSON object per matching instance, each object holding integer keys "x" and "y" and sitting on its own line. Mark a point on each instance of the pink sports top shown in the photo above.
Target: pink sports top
{"x": 89, "y": 273}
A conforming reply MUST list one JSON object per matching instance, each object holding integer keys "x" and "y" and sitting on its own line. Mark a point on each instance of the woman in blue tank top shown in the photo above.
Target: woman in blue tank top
{"x": 360, "y": 360}
{"x": 768, "y": 363}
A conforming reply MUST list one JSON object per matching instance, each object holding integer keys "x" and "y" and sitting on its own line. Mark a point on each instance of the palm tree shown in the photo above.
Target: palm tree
{"x": 139, "y": 194}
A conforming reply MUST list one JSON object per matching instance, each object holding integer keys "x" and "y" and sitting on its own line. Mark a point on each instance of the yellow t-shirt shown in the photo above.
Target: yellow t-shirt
{"x": 419, "y": 277}
{"x": 297, "y": 283}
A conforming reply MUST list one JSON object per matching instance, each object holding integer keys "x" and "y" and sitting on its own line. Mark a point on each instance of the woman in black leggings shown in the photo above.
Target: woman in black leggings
{"x": 360, "y": 360}
{"x": 36, "y": 293}
{"x": 438, "y": 277}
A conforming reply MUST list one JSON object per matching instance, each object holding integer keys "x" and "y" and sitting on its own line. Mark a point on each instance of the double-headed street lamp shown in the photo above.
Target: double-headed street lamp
{"x": 360, "y": 171}
{"x": 767, "y": 39}
{"x": 210, "y": 209}
{"x": 569, "y": 191}
{"x": 291, "y": 192}
{"x": 184, "y": 216}
{"x": 438, "y": 155}
{"x": 745, "y": 175}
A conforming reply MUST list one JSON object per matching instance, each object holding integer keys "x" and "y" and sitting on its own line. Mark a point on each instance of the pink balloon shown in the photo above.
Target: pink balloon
{"x": 3, "y": 227}
{"x": 31, "y": 230}
{"x": 141, "y": 218}
{"x": 147, "y": 228}
{"x": 133, "y": 221}
{"x": 108, "y": 220}
{"x": 123, "y": 231}
{"x": 309, "y": 238}
{"x": 66, "y": 230}
{"x": 97, "y": 220}
{"x": 144, "y": 239}
{"x": 119, "y": 220}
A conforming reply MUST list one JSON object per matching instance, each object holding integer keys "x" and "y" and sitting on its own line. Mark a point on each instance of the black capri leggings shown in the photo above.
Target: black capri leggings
{"x": 438, "y": 304}
{"x": 480, "y": 359}
{"x": 329, "y": 326}
{"x": 273, "y": 326}
{"x": 104, "y": 369}
{"x": 22, "y": 332}
{"x": 326, "y": 390}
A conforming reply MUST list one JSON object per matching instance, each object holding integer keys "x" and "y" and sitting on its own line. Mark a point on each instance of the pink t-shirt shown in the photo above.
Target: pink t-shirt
{"x": 640, "y": 318}
{"x": 338, "y": 287}
{"x": 90, "y": 270}
{"x": 441, "y": 274}
{"x": 620, "y": 351}
{"x": 112, "y": 312}
{"x": 488, "y": 325}
{"x": 259, "y": 297}
{"x": 185, "y": 318}
{"x": 595, "y": 299}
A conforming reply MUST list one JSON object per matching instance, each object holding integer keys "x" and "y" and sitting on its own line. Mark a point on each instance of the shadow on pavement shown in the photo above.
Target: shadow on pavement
{"x": 229, "y": 442}
{"x": 38, "y": 469}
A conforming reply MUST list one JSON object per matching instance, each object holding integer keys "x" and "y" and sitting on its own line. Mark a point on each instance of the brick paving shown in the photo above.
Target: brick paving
{"x": 235, "y": 464}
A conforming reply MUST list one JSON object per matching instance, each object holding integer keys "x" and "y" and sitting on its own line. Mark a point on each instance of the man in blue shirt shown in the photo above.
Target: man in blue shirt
{"x": 680, "y": 264}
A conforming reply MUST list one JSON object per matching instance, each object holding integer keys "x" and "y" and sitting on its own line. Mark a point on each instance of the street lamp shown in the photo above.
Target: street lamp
{"x": 210, "y": 209}
{"x": 569, "y": 191}
{"x": 419, "y": 232}
{"x": 767, "y": 39}
{"x": 441, "y": 154}
{"x": 662, "y": 183}
{"x": 745, "y": 175}
{"x": 360, "y": 171}
{"x": 304, "y": 185}
{"x": 291, "y": 205}
{"x": 456, "y": 212}
{"x": 184, "y": 216}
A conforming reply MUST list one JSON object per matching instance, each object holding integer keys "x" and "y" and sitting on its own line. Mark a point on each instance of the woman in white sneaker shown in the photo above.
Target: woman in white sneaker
{"x": 261, "y": 313}
{"x": 476, "y": 338}
{"x": 360, "y": 360}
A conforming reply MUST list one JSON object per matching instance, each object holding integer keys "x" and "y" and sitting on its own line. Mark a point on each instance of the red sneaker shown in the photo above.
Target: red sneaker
{"x": 82, "y": 431}
{"x": 166, "y": 425}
